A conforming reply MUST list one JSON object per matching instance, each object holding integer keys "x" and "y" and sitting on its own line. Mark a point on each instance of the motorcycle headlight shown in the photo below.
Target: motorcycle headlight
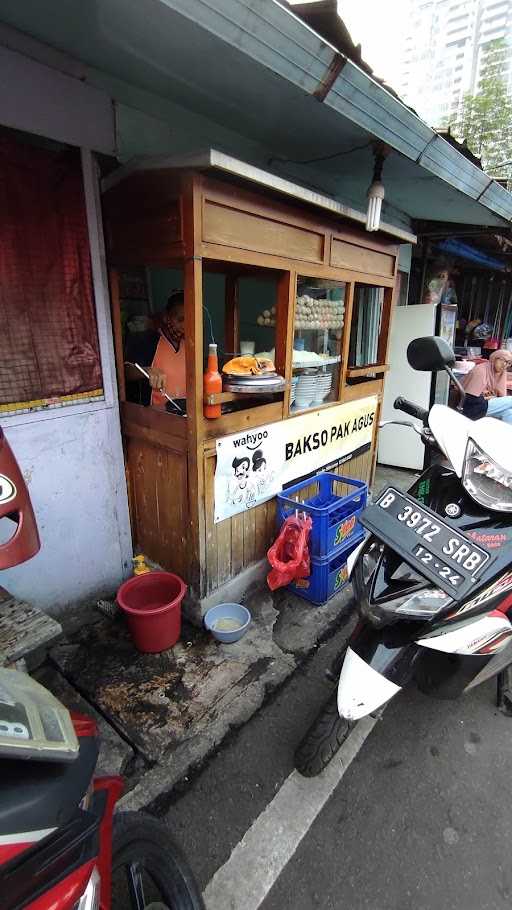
{"x": 485, "y": 480}
{"x": 425, "y": 604}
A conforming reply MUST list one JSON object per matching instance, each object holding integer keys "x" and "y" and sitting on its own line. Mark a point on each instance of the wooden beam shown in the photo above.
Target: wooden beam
{"x": 354, "y": 372}
{"x": 243, "y": 420}
{"x": 224, "y": 397}
{"x": 193, "y": 288}
{"x": 286, "y": 293}
{"x": 347, "y": 327}
{"x": 387, "y": 313}
{"x": 220, "y": 253}
{"x": 232, "y": 315}
{"x": 363, "y": 390}
{"x": 115, "y": 304}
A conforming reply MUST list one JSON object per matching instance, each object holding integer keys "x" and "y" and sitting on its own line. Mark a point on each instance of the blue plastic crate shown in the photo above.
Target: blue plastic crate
{"x": 328, "y": 575}
{"x": 335, "y": 521}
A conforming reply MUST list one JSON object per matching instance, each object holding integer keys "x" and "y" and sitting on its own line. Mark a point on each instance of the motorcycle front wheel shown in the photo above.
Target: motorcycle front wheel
{"x": 149, "y": 871}
{"x": 323, "y": 739}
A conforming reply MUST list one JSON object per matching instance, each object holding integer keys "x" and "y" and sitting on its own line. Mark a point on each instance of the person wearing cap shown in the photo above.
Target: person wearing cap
{"x": 162, "y": 354}
{"x": 486, "y": 389}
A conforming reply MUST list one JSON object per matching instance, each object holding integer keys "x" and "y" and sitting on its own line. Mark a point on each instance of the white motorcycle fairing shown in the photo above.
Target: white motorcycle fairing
{"x": 486, "y": 635}
{"x": 452, "y": 431}
{"x": 361, "y": 689}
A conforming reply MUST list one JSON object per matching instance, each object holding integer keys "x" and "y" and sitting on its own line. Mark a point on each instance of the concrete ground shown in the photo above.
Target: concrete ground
{"x": 400, "y": 478}
{"x": 162, "y": 715}
{"x": 421, "y": 818}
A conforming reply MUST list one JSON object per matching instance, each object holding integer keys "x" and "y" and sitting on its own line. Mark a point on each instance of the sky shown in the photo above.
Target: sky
{"x": 378, "y": 25}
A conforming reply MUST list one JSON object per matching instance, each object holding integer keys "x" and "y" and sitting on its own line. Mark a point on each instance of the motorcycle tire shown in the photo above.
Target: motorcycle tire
{"x": 323, "y": 739}
{"x": 148, "y": 868}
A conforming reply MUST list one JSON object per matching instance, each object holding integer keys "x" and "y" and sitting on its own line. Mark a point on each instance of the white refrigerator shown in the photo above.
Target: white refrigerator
{"x": 401, "y": 447}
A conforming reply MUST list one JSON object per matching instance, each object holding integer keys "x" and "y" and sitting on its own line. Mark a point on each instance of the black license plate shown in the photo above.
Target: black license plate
{"x": 432, "y": 547}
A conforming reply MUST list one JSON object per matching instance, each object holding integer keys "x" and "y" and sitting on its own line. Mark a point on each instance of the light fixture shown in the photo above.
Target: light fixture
{"x": 376, "y": 191}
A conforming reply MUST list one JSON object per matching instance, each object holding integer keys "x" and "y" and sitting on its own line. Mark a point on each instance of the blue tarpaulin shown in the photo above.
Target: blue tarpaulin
{"x": 466, "y": 251}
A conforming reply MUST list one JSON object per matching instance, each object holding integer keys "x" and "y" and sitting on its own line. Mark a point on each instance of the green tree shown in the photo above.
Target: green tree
{"x": 484, "y": 120}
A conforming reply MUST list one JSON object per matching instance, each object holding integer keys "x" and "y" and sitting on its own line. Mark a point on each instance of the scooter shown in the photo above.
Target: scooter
{"x": 433, "y": 578}
{"x": 62, "y": 845}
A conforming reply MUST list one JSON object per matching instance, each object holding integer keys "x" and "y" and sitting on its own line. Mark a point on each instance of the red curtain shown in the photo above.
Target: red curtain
{"x": 48, "y": 336}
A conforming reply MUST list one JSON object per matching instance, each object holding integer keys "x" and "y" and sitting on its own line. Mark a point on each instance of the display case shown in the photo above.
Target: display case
{"x": 260, "y": 272}
{"x": 317, "y": 342}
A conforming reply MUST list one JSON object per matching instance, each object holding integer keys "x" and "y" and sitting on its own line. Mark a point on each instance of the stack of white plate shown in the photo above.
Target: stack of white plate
{"x": 323, "y": 387}
{"x": 293, "y": 391}
{"x": 306, "y": 391}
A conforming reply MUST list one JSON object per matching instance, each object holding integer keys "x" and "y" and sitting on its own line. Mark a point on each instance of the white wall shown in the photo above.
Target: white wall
{"x": 41, "y": 100}
{"x": 73, "y": 465}
{"x": 72, "y": 460}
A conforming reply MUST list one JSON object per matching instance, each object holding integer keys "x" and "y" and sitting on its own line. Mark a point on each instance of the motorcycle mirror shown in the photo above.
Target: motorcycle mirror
{"x": 430, "y": 354}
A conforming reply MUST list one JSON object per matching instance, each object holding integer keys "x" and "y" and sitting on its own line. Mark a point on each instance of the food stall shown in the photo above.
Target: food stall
{"x": 277, "y": 279}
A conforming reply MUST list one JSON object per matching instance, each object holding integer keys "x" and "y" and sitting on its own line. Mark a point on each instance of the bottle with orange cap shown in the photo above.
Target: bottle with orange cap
{"x": 212, "y": 383}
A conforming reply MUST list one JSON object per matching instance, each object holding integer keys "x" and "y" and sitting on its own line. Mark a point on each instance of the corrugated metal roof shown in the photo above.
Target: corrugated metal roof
{"x": 252, "y": 69}
{"x": 215, "y": 160}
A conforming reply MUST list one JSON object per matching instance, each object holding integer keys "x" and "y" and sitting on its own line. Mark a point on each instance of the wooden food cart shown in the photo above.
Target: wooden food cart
{"x": 246, "y": 256}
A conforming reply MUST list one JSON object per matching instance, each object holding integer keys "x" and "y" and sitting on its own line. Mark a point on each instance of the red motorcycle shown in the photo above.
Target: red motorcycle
{"x": 62, "y": 846}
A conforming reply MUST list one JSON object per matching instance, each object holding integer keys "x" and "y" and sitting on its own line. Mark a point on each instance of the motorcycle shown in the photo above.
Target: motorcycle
{"x": 433, "y": 578}
{"x": 62, "y": 845}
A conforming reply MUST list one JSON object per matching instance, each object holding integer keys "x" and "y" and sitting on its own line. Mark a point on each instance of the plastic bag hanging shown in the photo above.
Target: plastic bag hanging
{"x": 289, "y": 554}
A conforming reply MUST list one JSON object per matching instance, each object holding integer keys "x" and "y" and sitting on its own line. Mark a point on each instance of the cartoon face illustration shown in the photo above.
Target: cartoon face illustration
{"x": 241, "y": 487}
{"x": 259, "y": 462}
{"x": 241, "y": 471}
{"x": 261, "y": 474}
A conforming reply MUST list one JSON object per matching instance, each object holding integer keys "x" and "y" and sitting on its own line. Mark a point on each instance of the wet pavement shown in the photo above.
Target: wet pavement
{"x": 172, "y": 710}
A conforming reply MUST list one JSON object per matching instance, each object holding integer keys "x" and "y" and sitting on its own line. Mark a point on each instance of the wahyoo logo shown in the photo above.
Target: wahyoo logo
{"x": 7, "y": 489}
{"x": 251, "y": 440}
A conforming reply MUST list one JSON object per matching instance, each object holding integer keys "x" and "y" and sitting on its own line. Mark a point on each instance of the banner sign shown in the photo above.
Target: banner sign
{"x": 254, "y": 465}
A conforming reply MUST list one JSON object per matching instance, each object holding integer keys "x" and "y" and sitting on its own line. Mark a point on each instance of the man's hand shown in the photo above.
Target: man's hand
{"x": 157, "y": 378}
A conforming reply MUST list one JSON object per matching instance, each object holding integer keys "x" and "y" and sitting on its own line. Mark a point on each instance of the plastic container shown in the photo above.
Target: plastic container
{"x": 139, "y": 565}
{"x": 229, "y": 614}
{"x": 328, "y": 576}
{"x": 152, "y": 603}
{"x": 335, "y": 517}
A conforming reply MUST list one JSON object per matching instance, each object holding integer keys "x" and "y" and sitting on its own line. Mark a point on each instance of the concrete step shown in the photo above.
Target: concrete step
{"x": 26, "y": 633}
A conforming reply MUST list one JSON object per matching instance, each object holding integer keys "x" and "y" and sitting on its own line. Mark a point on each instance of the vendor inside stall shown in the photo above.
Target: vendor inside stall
{"x": 160, "y": 351}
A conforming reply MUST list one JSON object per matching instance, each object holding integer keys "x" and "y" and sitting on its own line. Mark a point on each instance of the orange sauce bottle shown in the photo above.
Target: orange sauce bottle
{"x": 212, "y": 382}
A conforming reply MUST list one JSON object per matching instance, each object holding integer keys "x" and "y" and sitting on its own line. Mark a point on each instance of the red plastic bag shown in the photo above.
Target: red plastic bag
{"x": 289, "y": 554}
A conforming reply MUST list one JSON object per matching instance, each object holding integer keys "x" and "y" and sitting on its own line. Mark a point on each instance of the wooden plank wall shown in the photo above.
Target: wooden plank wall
{"x": 158, "y": 480}
{"x": 235, "y": 543}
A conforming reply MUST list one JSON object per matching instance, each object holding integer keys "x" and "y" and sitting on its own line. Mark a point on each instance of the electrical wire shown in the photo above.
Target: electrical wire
{"x": 356, "y": 148}
{"x": 207, "y": 311}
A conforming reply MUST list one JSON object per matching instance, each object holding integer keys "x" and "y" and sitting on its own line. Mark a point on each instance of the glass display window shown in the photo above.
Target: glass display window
{"x": 317, "y": 342}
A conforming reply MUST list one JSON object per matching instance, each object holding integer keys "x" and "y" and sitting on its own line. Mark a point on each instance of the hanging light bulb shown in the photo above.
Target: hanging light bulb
{"x": 375, "y": 194}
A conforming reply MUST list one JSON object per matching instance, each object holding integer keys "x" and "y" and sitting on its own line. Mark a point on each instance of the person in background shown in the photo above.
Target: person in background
{"x": 486, "y": 389}
{"x": 161, "y": 352}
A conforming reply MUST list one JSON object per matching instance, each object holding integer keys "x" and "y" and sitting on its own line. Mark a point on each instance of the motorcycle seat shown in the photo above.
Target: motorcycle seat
{"x": 37, "y": 795}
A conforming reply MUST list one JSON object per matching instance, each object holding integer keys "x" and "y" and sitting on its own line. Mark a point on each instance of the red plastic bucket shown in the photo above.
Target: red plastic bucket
{"x": 152, "y": 603}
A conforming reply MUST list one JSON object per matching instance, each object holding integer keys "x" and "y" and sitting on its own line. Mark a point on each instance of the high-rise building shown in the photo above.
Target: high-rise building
{"x": 445, "y": 44}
